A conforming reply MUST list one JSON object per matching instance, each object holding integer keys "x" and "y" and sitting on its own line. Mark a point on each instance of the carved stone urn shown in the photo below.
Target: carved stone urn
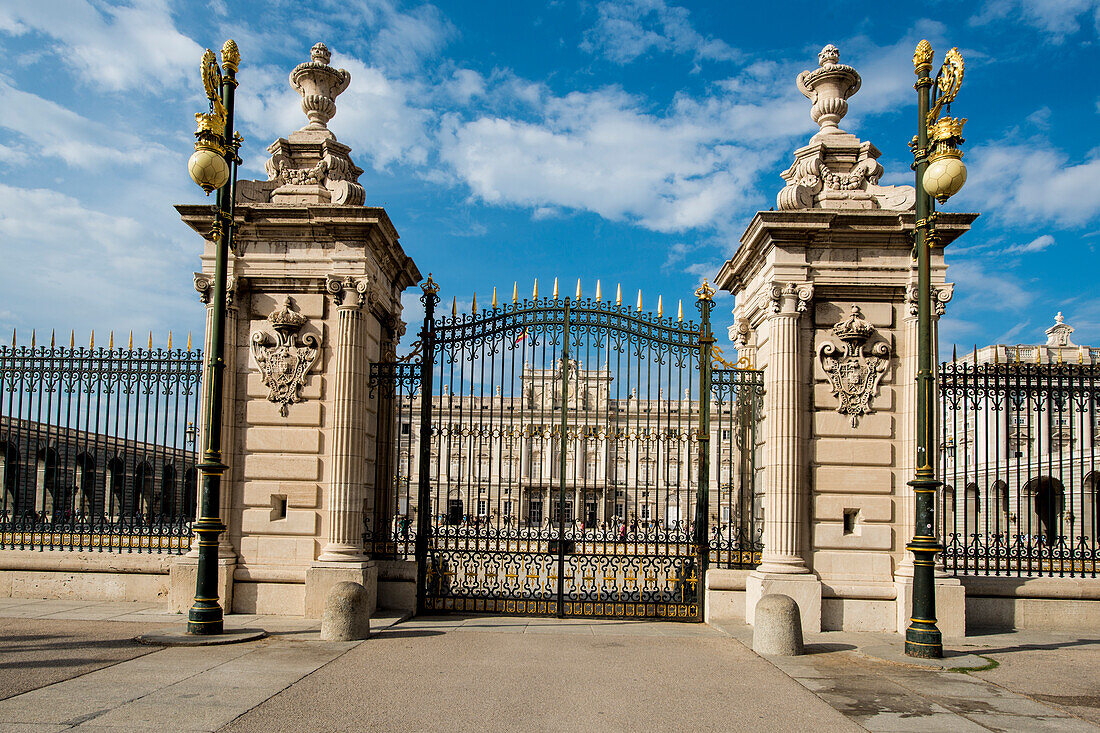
{"x": 319, "y": 84}
{"x": 829, "y": 87}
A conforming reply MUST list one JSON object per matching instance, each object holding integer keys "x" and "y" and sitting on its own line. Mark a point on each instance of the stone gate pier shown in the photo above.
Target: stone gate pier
{"x": 825, "y": 288}
{"x": 314, "y": 299}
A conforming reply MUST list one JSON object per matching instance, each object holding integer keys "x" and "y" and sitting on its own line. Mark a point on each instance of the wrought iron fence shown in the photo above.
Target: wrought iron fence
{"x": 97, "y": 447}
{"x": 1019, "y": 454}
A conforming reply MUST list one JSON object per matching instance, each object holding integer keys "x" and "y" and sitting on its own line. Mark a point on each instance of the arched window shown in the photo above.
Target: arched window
{"x": 9, "y": 480}
{"x": 190, "y": 493}
{"x": 84, "y": 500}
{"x": 167, "y": 504}
{"x": 46, "y": 484}
{"x": 948, "y": 512}
{"x": 143, "y": 491}
{"x": 1047, "y": 496}
{"x": 1090, "y": 511}
{"x": 999, "y": 517}
{"x": 115, "y": 498}
{"x": 973, "y": 509}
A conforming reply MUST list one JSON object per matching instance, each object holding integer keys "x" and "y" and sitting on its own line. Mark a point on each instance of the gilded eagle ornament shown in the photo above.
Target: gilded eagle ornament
{"x": 285, "y": 360}
{"x": 854, "y": 370}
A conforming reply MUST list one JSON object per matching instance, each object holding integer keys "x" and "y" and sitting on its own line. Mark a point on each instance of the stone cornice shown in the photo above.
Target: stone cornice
{"x": 312, "y": 225}
{"x": 843, "y": 228}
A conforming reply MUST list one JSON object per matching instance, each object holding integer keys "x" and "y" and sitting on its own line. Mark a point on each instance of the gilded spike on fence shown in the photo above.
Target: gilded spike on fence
{"x": 473, "y": 307}
{"x": 53, "y": 341}
{"x": 660, "y": 306}
{"x": 975, "y": 355}
{"x": 91, "y": 341}
{"x": 618, "y": 294}
{"x": 535, "y": 292}
{"x": 555, "y": 288}
{"x": 680, "y": 311}
{"x": 996, "y": 355}
{"x": 33, "y": 334}
{"x": 169, "y": 340}
{"x": 599, "y": 293}
{"x": 150, "y": 341}
{"x": 639, "y": 301}
{"x": 954, "y": 352}
{"x": 454, "y": 306}
{"x": 188, "y": 340}
{"x": 494, "y": 297}
{"x": 111, "y": 345}
{"x": 578, "y": 288}
{"x": 515, "y": 292}
{"x": 1038, "y": 356}
{"x": 72, "y": 339}
{"x": 131, "y": 346}
{"x": 13, "y": 338}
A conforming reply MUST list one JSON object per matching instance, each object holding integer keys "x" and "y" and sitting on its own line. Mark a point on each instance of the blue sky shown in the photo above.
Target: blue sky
{"x": 627, "y": 141}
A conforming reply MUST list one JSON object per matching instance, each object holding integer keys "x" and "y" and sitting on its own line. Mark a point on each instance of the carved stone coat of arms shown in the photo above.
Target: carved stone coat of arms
{"x": 285, "y": 360}
{"x": 854, "y": 370}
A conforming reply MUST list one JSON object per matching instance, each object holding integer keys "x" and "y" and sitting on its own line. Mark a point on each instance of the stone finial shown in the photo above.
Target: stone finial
{"x": 836, "y": 170}
{"x": 319, "y": 84}
{"x": 829, "y": 87}
{"x": 1059, "y": 333}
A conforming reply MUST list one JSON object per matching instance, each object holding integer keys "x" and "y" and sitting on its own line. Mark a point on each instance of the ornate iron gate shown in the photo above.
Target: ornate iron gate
{"x": 561, "y": 450}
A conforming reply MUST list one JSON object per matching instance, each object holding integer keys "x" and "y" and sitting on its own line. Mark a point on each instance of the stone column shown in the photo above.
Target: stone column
{"x": 784, "y": 506}
{"x": 783, "y": 566}
{"x": 346, "y": 451}
{"x": 342, "y": 557}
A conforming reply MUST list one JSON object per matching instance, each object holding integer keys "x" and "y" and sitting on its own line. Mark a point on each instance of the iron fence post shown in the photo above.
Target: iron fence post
{"x": 705, "y": 303}
{"x": 424, "y": 488}
{"x": 562, "y": 459}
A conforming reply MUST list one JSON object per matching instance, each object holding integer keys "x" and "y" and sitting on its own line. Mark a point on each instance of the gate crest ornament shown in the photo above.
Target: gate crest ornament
{"x": 855, "y": 370}
{"x": 285, "y": 363}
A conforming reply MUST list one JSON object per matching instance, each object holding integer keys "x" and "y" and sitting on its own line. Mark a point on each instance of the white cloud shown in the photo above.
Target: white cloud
{"x": 1033, "y": 182}
{"x": 1036, "y": 245}
{"x": 56, "y": 131}
{"x": 626, "y": 30}
{"x": 1056, "y": 18}
{"x": 115, "y": 272}
{"x": 113, "y": 47}
{"x": 600, "y": 152}
{"x": 983, "y": 290}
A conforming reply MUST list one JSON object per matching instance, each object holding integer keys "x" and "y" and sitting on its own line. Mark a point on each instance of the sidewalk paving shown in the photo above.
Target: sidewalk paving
{"x": 73, "y": 665}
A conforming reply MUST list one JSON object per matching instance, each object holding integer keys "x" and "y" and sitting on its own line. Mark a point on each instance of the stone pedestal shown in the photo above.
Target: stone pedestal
{"x": 824, "y": 286}
{"x": 804, "y": 588}
{"x": 181, "y": 583}
{"x": 321, "y": 576}
{"x": 316, "y": 291}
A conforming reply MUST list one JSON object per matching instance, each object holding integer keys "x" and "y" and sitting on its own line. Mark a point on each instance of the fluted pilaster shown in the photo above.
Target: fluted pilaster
{"x": 784, "y": 500}
{"x": 346, "y": 451}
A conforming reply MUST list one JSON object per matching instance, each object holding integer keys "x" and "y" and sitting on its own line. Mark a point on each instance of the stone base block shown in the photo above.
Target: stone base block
{"x": 84, "y": 586}
{"x": 1048, "y": 614}
{"x": 269, "y": 599}
{"x": 950, "y": 606}
{"x": 181, "y": 583}
{"x": 397, "y": 584}
{"x": 804, "y": 588}
{"x": 321, "y": 576}
{"x": 858, "y": 614}
{"x": 725, "y": 598}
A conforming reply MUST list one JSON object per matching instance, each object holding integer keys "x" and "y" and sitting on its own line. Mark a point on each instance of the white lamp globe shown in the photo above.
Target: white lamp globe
{"x": 944, "y": 177}
{"x": 208, "y": 169}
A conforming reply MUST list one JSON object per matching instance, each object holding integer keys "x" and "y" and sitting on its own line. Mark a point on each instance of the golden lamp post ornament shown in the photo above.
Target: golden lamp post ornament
{"x": 208, "y": 165}
{"x": 213, "y": 166}
{"x": 940, "y": 174}
{"x": 946, "y": 173}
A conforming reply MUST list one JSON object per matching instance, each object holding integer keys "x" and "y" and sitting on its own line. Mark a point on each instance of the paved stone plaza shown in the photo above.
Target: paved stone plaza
{"x": 74, "y": 664}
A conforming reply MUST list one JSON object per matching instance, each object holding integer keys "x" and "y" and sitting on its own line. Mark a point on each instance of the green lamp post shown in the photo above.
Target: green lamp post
{"x": 213, "y": 167}
{"x": 940, "y": 174}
